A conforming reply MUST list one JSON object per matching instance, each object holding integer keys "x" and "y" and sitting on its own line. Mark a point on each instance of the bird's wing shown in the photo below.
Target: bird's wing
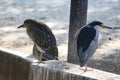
{"x": 45, "y": 39}
{"x": 84, "y": 57}
{"x": 85, "y": 37}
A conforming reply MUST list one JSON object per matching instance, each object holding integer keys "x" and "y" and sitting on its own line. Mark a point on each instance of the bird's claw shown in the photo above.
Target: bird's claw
{"x": 85, "y": 69}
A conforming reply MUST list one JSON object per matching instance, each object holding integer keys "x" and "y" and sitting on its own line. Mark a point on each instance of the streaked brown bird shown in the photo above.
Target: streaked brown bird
{"x": 45, "y": 47}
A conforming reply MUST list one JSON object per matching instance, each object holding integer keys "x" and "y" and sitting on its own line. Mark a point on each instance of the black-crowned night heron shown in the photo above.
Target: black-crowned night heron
{"x": 87, "y": 42}
{"x": 43, "y": 38}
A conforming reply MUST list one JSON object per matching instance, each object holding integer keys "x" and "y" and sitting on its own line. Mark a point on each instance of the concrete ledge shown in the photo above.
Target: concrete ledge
{"x": 18, "y": 66}
{"x": 58, "y": 70}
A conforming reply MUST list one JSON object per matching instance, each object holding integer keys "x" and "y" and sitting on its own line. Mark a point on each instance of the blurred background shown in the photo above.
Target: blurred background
{"x": 56, "y": 13}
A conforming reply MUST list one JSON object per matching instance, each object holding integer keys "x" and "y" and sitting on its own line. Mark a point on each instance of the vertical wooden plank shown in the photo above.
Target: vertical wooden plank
{"x": 78, "y": 16}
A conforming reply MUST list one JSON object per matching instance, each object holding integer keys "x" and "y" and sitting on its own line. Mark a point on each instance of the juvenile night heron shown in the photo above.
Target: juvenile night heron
{"x": 43, "y": 38}
{"x": 87, "y": 42}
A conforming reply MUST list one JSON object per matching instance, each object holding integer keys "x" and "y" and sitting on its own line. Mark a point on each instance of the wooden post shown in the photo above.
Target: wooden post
{"x": 78, "y": 15}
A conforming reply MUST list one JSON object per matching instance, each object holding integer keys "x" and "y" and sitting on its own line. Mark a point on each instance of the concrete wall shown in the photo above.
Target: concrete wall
{"x": 18, "y": 66}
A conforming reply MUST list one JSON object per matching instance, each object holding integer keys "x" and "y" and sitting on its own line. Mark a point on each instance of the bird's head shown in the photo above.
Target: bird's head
{"x": 98, "y": 23}
{"x": 27, "y": 23}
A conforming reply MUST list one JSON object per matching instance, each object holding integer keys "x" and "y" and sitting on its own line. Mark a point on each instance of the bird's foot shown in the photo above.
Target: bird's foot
{"x": 85, "y": 69}
{"x": 43, "y": 62}
{"x": 66, "y": 67}
{"x": 40, "y": 62}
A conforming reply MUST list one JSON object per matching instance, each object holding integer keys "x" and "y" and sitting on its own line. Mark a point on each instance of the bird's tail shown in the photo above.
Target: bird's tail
{"x": 51, "y": 54}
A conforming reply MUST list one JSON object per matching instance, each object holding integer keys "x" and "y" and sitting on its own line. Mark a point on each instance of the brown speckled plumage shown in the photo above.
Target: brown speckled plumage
{"x": 43, "y": 38}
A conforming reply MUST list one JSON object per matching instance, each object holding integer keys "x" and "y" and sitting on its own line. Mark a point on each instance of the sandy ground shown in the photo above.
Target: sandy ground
{"x": 55, "y": 13}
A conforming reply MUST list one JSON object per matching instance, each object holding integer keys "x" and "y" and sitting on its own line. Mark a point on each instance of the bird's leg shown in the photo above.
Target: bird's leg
{"x": 41, "y": 58}
{"x": 85, "y": 68}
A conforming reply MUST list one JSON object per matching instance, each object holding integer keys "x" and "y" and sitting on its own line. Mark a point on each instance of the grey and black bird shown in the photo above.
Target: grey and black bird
{"x": 87, "y": 41}
{"x": 45, "y": 47}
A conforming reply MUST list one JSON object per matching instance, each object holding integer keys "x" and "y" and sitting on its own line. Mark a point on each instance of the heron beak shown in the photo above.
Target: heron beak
{"x": 20, "y": 26}
{"x": 104, "y": 26}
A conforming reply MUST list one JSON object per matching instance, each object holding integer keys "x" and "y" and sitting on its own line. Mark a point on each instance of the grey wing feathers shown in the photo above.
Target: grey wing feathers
{"x": 82, "y": 57}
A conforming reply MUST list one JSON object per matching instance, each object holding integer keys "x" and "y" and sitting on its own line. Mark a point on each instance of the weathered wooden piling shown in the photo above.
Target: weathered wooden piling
{"x": 78, "y": 17}
{"x": 18, "y": 66}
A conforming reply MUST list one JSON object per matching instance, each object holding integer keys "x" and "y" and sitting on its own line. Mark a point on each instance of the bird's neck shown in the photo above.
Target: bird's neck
{"x": 88, "y": 25}
{"x": 97, "y": 28}
{"x": 97, "y": 31}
